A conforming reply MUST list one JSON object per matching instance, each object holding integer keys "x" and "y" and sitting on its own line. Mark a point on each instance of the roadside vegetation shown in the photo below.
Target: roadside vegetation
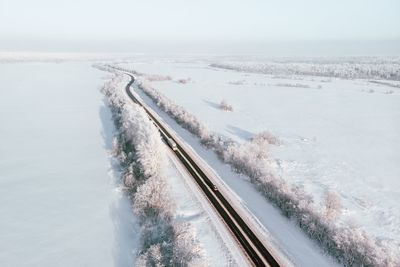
{"x": 142, "y": 158}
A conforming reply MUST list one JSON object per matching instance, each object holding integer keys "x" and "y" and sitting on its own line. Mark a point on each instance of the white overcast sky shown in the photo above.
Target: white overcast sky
{"x": 206, "y": 21}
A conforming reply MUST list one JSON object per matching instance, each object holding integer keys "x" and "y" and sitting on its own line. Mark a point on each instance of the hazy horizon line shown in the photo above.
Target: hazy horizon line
{"x": 335, "y": 47}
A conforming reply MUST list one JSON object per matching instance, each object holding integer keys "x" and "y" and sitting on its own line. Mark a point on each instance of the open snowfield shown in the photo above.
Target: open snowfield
{"x": 336, "y": 134}
{"x": 199, "y": 133}
{"x": 62, "y": 202}
{"x": 60, "y": 205}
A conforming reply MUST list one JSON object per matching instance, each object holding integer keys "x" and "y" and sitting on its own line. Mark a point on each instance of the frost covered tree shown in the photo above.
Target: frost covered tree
{"x": 348, "y": 69}
{"x": 333, "y": 205}
{"x": 152, "y": 199}
{"x": 186, "y": 249}
{"x": 151, "y": 258}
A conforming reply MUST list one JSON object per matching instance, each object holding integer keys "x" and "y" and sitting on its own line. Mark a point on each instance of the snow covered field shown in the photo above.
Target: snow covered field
{"x": 336, "y": 134}
{"x": 60, "y": 205}
{"x": 61, "y": 199}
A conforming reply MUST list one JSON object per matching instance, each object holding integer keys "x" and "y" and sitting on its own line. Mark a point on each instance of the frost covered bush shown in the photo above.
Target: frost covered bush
{"x": 185, "y": 248}
{"x": 180, "y": 250}
{"x": 138, "y": 146}
{"x": 332, "y": 205}
{"x": 350, "y": 245}
{"x": 183, "y": 81}
{"x": 183, "y": 117}
{"x": 265, "y": 136}
{"x": 225, "y": 106}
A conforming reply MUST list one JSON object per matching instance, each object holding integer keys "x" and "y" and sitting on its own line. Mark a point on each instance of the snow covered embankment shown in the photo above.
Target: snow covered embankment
{"x": 350, "y": 245}
{"x": 142, "y": 157}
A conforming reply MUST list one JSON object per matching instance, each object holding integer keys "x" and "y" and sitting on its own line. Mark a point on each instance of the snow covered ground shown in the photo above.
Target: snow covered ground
{"x": 339, "y": 135}
{"x": 60, "y": 203}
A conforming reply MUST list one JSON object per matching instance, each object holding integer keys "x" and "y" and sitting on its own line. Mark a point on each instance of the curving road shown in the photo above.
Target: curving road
{"x": 254, "y": 249}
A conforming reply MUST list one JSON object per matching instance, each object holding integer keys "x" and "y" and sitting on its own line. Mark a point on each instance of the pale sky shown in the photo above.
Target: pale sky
{"x": 28, "y": 23}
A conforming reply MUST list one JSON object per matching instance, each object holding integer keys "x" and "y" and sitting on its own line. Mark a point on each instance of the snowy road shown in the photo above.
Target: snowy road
{"x": 283, "y": 234}
{"x": 256, "y": 251}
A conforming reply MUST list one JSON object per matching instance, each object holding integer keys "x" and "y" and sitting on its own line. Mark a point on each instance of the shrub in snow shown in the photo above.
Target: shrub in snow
{"x": 225, "y": 106}
{"x": 351, "y": 246}
{"x": 332, "y": 205}
{"x": 138, "y": 146}
{"x": 265, "y": 136}
{"x": 184, "y": 81}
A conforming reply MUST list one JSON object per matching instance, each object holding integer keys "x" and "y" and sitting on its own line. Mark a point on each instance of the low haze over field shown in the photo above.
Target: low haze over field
{"x": 268, "y": 27}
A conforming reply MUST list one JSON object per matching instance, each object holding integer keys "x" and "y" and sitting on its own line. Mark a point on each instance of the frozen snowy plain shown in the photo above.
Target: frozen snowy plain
{"x": 60, "y": 203}
{"x": 44, "y": 103}
{"x": 339, "y": 135}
